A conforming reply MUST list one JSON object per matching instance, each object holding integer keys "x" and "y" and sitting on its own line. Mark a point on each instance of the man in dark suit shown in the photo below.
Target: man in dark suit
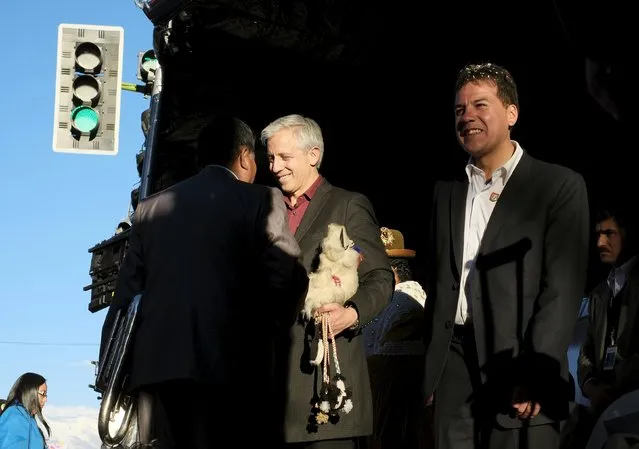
{"x": 295, "y": 149}
{"x": 507, "y": 270}
{"x": 216, "y": 263}
{"x": 614, "y": 305}
{"x": 609, "y": 358}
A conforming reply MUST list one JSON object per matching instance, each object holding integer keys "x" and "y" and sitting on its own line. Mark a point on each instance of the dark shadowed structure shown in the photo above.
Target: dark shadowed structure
{"x": 379, "y": 79}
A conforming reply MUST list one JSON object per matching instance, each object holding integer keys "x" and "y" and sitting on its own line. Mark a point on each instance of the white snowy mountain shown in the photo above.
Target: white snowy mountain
{"x": 72, "y": 427}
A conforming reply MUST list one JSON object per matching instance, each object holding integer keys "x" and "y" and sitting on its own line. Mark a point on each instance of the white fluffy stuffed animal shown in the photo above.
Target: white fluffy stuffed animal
{"x": 335, "y": 280}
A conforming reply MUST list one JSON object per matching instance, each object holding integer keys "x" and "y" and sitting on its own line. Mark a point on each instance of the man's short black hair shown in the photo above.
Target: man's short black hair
{"x": 492, "y": 73}
{"x": 401, "y": 265}
{"x": 220, "y": 140}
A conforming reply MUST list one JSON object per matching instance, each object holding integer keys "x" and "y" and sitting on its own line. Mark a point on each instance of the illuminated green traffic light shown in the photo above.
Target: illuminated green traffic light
{"x": 88, "y": 89}
{"x": 85, "y": 119}
{"x": 149, "y": 63}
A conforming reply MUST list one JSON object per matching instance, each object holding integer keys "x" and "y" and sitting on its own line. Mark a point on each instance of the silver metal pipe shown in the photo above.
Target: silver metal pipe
{"x": 152, "y": 136}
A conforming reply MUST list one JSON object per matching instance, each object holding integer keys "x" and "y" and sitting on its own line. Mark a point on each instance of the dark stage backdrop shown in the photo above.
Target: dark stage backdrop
{"x": 387, "y": 113}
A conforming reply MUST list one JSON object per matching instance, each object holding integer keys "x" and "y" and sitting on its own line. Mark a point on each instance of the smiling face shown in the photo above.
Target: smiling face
{"x": 482, "y": 120}
{"x": 294, "y": 168}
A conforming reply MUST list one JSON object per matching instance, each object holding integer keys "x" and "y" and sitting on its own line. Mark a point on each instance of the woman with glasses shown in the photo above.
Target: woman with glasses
{"x": 18, "y": 425}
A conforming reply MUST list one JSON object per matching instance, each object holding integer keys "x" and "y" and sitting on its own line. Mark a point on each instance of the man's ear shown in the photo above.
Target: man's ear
{"x": 512, "y": 113}
{"x": 244, "y": 158}
{"x": 314, "y": 155}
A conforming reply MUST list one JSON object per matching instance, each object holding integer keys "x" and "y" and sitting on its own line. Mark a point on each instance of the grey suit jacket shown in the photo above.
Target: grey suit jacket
{"x": 217, "y": 266}
{"x": 353, "y": 210}
{"x": 529, "y": 278}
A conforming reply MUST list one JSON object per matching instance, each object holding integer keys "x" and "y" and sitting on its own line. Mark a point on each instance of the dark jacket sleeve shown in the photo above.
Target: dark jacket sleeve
{"x": 375, "y": 276}
{"x": 286, "y": 276}
{"x": 566, "y": 242}
{"x": 587, "y": 368}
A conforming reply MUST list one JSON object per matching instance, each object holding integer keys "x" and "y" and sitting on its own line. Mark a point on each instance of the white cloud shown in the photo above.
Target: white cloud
{"x": 73, "y": 427}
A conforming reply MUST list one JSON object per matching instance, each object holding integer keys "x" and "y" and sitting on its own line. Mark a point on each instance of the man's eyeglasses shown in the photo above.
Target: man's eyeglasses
{"x": 44, "y": 395}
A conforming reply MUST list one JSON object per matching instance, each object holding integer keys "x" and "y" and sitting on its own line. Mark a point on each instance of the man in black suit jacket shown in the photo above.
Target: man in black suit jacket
{"x": 295, "y": 149}
{"x": 609, "y": 359}
{"x": 506, "y": 273}
{"x": 216, "y": 263}
{"x": 613, "y": 313}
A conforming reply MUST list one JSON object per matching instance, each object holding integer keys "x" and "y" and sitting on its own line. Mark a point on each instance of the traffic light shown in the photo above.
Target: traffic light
{"x": 147, "y": 63}
{"x": 106, "y": 260}
{"x": 87, "y": 97}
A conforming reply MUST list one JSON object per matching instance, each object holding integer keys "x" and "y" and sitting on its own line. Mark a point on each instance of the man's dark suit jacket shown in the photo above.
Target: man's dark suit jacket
{"x": 215, "y": 261}
{"x": 526, "y": 288}
{"x": 353, "y": 210}
{"x": 592, "y": 352}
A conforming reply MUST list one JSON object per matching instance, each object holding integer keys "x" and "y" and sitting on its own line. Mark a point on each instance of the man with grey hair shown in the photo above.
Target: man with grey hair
{"x": 295, "y": 149}
{"x": 208, "y": 254}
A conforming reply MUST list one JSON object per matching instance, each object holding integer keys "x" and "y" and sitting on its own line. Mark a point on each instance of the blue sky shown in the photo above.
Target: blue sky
{"x": 55, "y": 206}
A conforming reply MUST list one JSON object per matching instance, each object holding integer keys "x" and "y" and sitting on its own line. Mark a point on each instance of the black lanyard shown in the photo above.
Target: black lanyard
{"x": 613, "y": 318}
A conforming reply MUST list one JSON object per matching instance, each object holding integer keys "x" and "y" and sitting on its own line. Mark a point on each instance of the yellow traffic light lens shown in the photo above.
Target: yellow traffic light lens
{"x": 88, "y": 57}
{"x": 85, "y": 119}
{"x": 86, "y": 89}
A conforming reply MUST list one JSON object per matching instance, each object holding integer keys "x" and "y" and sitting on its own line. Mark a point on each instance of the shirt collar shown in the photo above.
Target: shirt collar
{"x": 625, "y": 268}
{"x": 306, "y": 196}
{"x": 313, "y": 188}
{"x": 505, "y": 171}
{"x": 618, "y": 276}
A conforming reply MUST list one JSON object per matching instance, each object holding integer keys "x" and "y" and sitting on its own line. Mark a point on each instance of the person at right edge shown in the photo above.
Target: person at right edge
{"x": 608, "y": 365}
{"x": 508, "y": 260}
{"x": 295, "y": 148}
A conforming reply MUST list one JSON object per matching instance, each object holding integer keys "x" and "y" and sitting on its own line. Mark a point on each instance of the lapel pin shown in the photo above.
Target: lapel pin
{"x": 494, "y": 196}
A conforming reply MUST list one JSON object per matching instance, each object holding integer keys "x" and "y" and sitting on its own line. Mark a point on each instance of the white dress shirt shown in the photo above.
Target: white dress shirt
{"x": 481, "y": 199}
{"x": 618, "y": 276}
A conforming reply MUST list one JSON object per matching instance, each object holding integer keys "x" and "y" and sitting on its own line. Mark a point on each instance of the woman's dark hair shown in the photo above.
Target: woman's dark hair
{"x": 25, "y": 392}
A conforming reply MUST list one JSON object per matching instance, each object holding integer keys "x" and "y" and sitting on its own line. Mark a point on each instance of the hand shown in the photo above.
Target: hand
{"x": 523, "y": 407}
{"x": 340, "y": 317}
{"x": 599, "y": 395}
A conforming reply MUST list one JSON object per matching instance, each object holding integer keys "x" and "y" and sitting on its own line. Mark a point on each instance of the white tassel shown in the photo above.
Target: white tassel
{"x": 320, "y": 353}
{"x": 342, "y": 394}
{"x": 348, "y": 406}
